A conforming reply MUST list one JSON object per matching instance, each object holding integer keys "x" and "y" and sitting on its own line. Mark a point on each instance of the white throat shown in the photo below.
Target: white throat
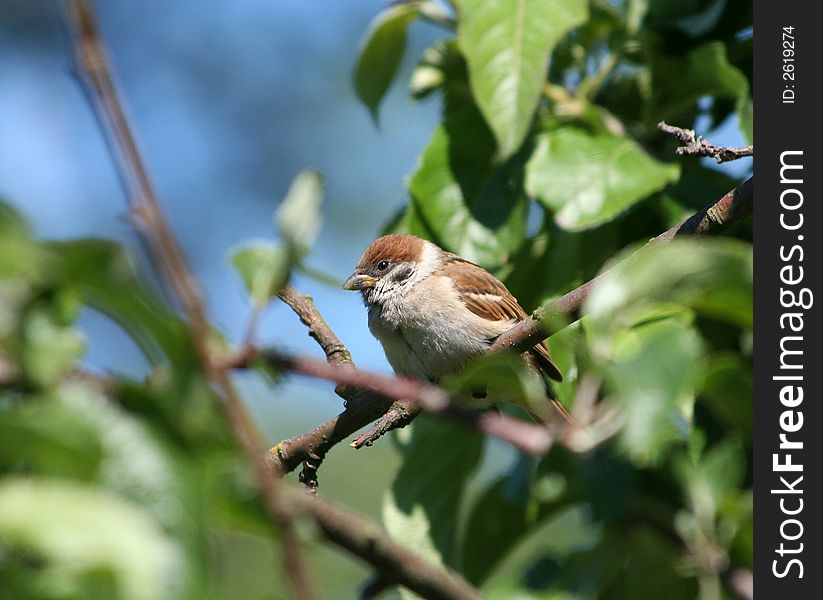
{"x": 391, "y": 289}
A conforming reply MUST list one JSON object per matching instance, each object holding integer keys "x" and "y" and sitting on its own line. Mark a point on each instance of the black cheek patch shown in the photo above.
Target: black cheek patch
{"x": 403, "y": 273}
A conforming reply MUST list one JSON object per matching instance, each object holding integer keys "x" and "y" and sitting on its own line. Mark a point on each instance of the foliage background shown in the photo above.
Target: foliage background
{"x": 230, "y": 101}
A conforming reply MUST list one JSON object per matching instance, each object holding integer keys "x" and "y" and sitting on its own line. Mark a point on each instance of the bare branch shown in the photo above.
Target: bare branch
{"x": 693, "y": 145}
{"x": 94, "y": 73}
{"x": 415, "y": 394}
{"x": 393, "y": 562}
{"x": 319, "y": 330}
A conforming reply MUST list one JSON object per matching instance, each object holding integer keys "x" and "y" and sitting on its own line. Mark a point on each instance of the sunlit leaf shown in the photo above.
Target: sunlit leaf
{"x": 20, "y": 256}
{"x": 482, "y": 218}
{"x": 381, "y": 53}
{"x": 264, "y": 268}
{"x": 586, "y": 179}
{"x": 507, "y": 45}
{"x": 298, "y": 217}
{"x": 653, "y": 371}
{"x": 430, "y": 72}
{"x": 50, "y": 347}
{"x": 80, "y": 531}
{"x": 712, "y": 276}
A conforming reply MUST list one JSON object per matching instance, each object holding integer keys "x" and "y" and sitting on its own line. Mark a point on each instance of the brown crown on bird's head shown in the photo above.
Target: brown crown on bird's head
{"x": 394, "y": 256}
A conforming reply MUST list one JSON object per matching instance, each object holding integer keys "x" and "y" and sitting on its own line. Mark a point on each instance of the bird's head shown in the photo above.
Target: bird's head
{"x": 391, "y": 266}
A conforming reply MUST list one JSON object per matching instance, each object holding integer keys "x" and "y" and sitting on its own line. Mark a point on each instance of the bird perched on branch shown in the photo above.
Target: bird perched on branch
{"x": 433, "y": 311}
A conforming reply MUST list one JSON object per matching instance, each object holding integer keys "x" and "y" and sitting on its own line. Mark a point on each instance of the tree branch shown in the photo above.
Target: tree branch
{"x": 362, "y": 406}
{"x": 398, "y": 416}
{"x": 414, "y": 394}
{"x": 393, "y": 562}
{"x": 693, "y": 145}
{"x": 95, "y": 75}
{"x": 732, "y": 208}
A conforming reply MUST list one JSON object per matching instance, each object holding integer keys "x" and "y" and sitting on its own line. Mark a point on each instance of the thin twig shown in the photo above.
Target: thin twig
{"x": 526, "y": 437}
{"x": 398, "y": 416}
{"x": 693, "y": 145}
{"x": 95, "y": 74}
{"x": 303, "y": 305}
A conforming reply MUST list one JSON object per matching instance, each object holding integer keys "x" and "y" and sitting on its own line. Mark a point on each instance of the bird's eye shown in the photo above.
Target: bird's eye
{"x": 382, "y": 265}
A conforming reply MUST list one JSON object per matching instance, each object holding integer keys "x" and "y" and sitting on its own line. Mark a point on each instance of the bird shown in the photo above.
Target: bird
{"x": 433, "y": 312}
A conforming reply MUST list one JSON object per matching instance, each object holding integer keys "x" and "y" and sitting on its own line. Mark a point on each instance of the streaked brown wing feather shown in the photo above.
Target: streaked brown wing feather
{"x": 487, "y": 297}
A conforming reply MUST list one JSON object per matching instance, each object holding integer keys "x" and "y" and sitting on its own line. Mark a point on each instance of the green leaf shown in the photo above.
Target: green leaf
{"x": 498, "y": 518}
{"x": 712, "y": 479}
{"x": 643, "y": 337}
{"x": 50, "y": 348}
{"x": 728, "y": 392}
{"x": 108, "y": 281}
{"x": 714, "y": 277}
{"x": 586, "y": 179}
{"x": 564, "y": 533}
{"x": 48, "y": 436}
{"x": 473, "y": 211}
{"x": 298, "y": 217}
{"x": 135, "y": 462}
{"x": 381, "y": 53}
{"x": 678, "y": 81}
{"x": 82, "y": 533}
{"x": 20, "y": 255}
{"x": 504, "y": 378}
{"x": 264, "y": 268}
{"x": 463, "y": 199}
{"x": 430, "y": 72}
{"x": 745, "y": 115}
{"x": 653, "y": 371}
{"x": 421, "y": 508}
{"x": 507, "y": 45}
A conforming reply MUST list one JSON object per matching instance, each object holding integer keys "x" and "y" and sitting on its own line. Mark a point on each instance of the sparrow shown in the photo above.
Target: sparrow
{"x": 433, "y": 311}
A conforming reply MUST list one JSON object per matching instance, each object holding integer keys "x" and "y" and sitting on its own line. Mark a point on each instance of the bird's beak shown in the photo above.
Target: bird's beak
{"x": 359, "y": 282}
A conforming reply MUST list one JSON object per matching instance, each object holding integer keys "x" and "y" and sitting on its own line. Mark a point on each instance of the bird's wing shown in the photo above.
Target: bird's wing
{"x": 487, "y": 297}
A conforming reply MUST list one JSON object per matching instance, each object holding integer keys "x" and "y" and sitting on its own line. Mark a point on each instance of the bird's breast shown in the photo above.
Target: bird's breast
{"x": 429, "y": 334}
